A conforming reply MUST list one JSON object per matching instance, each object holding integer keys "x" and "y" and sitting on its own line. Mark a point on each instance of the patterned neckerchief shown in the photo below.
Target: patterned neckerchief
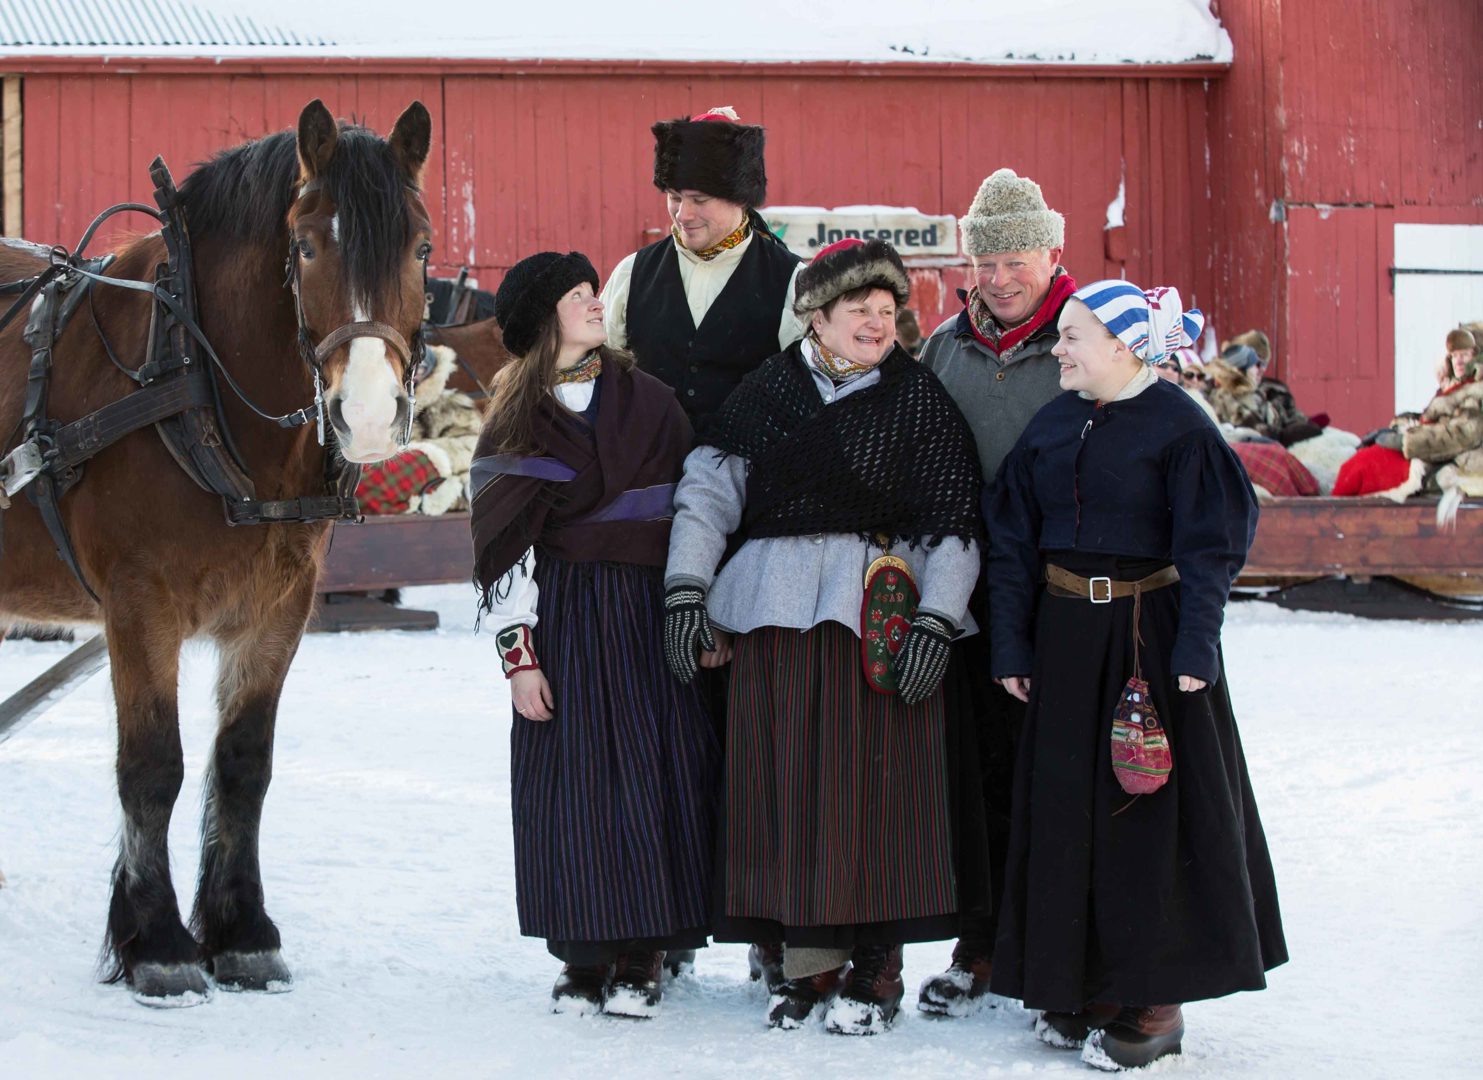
{"x": 836, "y": 367}
{"x": 585, "y": 370}
{"x": 726, "y": 243}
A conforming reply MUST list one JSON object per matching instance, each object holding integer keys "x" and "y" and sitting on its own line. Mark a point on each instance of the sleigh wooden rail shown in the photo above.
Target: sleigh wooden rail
{"x": 1297, "y": 538}
{"x": 1364, "y": 538}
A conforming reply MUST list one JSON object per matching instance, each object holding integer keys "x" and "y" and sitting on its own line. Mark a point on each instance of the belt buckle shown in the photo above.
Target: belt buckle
{"x": 1092, "y": 590}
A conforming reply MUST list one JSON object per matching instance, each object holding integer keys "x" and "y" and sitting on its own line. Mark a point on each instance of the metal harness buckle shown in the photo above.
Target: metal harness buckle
{"x": 1092, "y": 590}
{"x": 21, "y": 466}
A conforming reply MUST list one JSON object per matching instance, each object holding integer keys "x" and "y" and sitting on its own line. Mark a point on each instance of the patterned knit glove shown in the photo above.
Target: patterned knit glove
{"x": 922, "y": 661}
{"x": 687, "y": 630}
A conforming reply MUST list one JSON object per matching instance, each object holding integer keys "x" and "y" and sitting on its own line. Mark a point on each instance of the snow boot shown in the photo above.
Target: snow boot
{"x": 636, "y": 991}
{"x": 580, "y": 990}
{"x": 765, "y": 960}
{"x": 1137, "y": 1037}
{"x": 964, "y": 987}
{"x": 1068, "y": 1031}
{"x": 794, "y": 1000}
{"x": 871, "y": 997}
{"x": 679, "y": 962}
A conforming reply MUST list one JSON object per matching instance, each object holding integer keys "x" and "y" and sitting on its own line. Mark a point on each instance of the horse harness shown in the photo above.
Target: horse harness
{"x": 178, "y": 387}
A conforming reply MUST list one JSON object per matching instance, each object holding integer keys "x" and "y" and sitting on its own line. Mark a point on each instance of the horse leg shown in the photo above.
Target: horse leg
{"x": 149, "y": 946}
{"x": 241, "y": 943}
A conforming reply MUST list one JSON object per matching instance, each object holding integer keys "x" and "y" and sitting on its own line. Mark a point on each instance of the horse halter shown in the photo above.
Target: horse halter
{"x": 316, "y": 354}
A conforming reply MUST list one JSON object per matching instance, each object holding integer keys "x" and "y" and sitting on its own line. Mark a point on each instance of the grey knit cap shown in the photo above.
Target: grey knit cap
{"x": 1009, "y": 214}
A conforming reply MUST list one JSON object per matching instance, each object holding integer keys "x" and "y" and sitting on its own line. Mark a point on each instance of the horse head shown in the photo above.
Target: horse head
{"x": 359, "y": 242}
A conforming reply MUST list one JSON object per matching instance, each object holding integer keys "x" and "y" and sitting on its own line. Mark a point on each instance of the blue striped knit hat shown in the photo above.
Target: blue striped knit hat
{"x": 1152, "y": 324}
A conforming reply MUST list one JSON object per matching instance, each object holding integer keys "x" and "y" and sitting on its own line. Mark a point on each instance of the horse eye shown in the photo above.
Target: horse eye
{"x": 424, "y": 250}
{"x": 304, "y": 249}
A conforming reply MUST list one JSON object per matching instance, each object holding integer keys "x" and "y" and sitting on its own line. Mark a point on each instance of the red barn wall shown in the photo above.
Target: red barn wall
{"x": 1337, "y": 122}
{"x": 528, "y": 161}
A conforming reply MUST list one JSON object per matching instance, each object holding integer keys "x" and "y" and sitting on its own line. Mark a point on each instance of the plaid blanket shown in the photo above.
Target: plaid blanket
{"x": 1270, "y": 466}
{"x": 390, "y": 486}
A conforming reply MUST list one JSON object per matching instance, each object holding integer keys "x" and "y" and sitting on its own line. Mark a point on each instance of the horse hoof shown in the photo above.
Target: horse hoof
{"x": 169, "y": 986}
{"x": 263, "y": 971}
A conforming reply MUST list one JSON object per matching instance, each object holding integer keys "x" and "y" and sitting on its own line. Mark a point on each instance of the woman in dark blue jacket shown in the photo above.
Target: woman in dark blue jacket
{"x": 1118, "y": 523}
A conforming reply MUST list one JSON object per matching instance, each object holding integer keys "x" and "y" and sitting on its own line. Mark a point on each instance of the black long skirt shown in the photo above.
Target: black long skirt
{"x": 613, "y": 800}
{"x": 836, "y": 830}
{"x": 1157, "y": 900}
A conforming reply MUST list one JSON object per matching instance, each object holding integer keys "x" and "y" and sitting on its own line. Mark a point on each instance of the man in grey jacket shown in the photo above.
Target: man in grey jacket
{"x": 995, "y": 360}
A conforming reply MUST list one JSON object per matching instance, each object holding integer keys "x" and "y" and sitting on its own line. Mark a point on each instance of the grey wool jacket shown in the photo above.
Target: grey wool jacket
{"x": 997, "y": 394}
{"x": 795, "y": 582}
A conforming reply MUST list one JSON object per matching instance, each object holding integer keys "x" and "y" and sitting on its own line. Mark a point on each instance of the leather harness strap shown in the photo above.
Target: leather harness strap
{"x": 339, "y": 336}
{"x": 177, "y": 395}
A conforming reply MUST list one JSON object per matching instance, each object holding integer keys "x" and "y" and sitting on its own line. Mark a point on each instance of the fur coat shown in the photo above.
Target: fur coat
{"x": 1446, "y": 448}
{"x": 445, "y": 428}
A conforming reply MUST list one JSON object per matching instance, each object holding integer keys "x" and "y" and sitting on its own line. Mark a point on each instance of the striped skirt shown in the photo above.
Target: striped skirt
{"x": 836, "y": 796}
{"x": 613, "y": 800}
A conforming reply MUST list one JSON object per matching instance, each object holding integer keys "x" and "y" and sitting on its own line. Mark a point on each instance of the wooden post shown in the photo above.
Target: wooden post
{"x": 11, "y": 223}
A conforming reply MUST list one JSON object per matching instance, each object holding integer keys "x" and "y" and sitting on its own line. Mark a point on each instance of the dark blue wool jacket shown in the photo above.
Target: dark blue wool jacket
{"x": 1150, "y": 476}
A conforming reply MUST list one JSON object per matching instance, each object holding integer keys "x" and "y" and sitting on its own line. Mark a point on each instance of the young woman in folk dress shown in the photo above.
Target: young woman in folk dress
{"x": 613, "y": 761}
{"x": 1117, "y": 525}
{"x": 834, "y": 452}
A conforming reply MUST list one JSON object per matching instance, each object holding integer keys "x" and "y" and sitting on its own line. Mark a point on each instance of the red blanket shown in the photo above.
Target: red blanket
{"x": 1270, "y": 466}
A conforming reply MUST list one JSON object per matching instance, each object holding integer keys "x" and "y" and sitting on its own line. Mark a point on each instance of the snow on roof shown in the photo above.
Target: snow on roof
{"x": 869, "y": 31}
{"x": 68, "y": 25}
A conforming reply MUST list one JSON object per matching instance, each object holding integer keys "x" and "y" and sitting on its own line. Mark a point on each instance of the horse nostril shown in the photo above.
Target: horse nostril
{"x": 337, "y": 416}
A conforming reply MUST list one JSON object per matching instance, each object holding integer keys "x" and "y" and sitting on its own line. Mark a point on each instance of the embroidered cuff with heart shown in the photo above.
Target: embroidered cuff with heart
{"x": 516, "y": 653}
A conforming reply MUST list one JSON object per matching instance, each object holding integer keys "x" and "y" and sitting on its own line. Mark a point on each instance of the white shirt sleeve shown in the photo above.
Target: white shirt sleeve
{"x": 615, "y": 303}
{"x": 518, "y": 608}
{"x": 790, "y": 327}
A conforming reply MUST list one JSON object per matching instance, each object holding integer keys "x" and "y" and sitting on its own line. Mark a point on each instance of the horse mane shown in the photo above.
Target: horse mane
{"x": 244, "y": 194}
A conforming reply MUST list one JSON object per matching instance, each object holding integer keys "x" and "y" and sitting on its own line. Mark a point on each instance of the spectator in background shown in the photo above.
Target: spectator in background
{"x": 1282, "y": 418}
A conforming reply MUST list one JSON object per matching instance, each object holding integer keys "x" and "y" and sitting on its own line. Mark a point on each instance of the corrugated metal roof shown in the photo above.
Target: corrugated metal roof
{"x": 132, "y": 23}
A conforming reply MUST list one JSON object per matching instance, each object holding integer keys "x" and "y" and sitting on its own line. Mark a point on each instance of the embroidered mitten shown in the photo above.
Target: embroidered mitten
{"x": 922, "y": 661}
{"x": 515, "y": 650}
{"x": 687, "y": 630}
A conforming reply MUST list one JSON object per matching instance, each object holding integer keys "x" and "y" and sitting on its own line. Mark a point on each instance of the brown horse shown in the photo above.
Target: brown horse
{"x": 481, "y": 353}
{"x": 343, "y": 205}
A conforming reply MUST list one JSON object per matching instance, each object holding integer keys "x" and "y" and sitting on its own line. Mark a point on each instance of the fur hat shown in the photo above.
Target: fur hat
{"x": 1257, "y": 340}
{"x": 528, "y": 295}
{"x": 1460, "y": 339}
{"x": 714, "y": 153}
{"x": 847, "y": 265}
{"x": 1009, "y": 214}
{"x": 1241, "y": 356}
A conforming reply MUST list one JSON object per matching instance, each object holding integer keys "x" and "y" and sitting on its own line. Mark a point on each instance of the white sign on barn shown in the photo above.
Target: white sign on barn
{"x": 806, "y": 229}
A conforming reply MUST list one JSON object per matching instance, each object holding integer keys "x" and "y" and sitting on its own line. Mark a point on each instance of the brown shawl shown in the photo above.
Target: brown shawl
{"x": 588, "y": 493}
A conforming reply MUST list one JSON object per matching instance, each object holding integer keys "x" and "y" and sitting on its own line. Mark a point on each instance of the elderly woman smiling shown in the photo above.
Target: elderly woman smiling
{"x": 846, "y": 482}
{"x": 1138, "y": 876}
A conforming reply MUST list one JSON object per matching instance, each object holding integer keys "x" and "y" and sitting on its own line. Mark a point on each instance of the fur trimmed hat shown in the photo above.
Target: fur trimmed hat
{"x": 528, "y": 295}
{"x": 1009, "y": 214}
{"x": 714, "y": 153}
{"x": 1461, "y": 339}
{"x": 847, "y": 265}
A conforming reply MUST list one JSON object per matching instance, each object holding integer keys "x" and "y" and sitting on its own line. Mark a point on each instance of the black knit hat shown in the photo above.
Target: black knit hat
{"x": 528, "y": 295}
{"x": 713, "y": 153}
{"x": 847, "y": 265}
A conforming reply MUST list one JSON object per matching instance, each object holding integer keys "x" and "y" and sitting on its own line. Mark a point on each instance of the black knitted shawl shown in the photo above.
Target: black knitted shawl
{"x": 895, "y": 460}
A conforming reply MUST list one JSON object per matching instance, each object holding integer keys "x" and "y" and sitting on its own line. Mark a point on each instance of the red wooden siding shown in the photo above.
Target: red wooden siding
{"x": 524, "y": 162}
{"x": 1354, "y": 117}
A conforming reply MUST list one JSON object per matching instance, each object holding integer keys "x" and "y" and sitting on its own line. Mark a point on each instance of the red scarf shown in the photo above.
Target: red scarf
{"x": 1061, "y": 288}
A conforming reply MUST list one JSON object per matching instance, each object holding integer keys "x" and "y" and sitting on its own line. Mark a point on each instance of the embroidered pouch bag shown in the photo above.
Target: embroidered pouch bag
{"x": 1141, "y": 757}
{"x": 886, "y": 612}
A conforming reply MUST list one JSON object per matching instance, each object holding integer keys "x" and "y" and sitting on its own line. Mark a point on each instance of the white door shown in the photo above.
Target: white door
{"x": 1427, "y": 305}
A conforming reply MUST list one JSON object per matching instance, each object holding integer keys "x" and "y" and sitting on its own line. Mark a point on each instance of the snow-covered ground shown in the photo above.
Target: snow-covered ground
{"x": 387, "y": 859}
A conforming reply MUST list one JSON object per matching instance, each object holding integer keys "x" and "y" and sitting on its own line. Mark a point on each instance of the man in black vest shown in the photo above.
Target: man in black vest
{"x": 702, "y": 307}
{"x": 711, "y": 301}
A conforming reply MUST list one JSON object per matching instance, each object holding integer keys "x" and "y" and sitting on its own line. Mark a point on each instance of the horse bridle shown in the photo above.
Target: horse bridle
{"x": 315, "y": 355}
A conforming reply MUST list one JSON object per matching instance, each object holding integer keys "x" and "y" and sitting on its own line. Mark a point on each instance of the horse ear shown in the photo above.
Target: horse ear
{"x": 411, "y": 138}
{"x": 317, "y": 138}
